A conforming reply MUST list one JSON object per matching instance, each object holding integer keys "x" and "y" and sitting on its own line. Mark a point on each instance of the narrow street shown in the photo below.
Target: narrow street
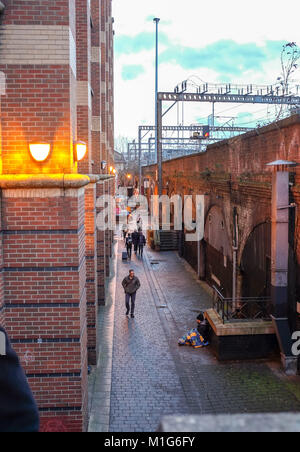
{"x": 151, "y": 376}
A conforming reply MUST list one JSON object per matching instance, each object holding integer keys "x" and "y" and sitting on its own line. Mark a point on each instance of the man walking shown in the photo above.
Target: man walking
{"x": 142, "y": 243}
{"x": 131, "y": 285}
{"x": 135, "y": 240}
{"x": 129, "y": 246}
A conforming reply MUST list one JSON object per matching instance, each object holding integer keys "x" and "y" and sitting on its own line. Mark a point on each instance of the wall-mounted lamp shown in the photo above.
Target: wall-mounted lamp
{"x": 103, "y": 164}
{"x": 80, "y": 150}
{"x": 39, "y": 151}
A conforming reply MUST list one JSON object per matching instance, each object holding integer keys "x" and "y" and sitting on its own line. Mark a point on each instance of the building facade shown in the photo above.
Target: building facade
{"x": 57, "y": 62}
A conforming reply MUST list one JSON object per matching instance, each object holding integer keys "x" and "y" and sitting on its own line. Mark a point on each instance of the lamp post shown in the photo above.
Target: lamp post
{"x": 156, "y": 20}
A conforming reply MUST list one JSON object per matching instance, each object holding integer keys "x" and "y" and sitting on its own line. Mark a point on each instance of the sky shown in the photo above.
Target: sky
{"x": 206, "y": 41}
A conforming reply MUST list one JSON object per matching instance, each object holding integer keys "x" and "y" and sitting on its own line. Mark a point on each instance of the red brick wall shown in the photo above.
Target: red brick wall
{"x": 233, "y": 173}
{"x": 91, "y": 274}
{"x": 38, "y": 85}
{"x": 50, "y": 278}
{"x": 83, "y": 49}
{"x": 45, "y": 298}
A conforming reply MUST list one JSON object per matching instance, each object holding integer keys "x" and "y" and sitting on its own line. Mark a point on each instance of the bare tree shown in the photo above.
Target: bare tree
{"x": 290, "y": 56}
{"x": 121, "y": 143}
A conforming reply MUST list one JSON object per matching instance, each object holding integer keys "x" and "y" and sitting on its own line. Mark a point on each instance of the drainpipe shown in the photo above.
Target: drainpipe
{"x": 280, "y": 260}
{"x": 235, "y": 250}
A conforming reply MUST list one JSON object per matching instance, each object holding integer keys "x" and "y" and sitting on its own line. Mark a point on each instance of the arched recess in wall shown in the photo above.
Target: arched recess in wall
{"x": 256, "y": 262}
{"x": 218, "y": 252}
{"x": 190, "y": 249}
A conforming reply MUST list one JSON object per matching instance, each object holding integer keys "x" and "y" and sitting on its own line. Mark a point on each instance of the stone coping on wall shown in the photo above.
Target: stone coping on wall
{"x": 279, "y": 422}
{"x": 11, "y": 181}
{"x": 277, "y": 125}
{"x": 250, "y": 328}
{"x": 104, "y": 177}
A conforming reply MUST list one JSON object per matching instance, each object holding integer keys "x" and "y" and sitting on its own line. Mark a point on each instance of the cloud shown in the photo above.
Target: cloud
{"x": 225, "y": 56}
{"x": 125, "y": 44}
{"x": 132, "y": 71}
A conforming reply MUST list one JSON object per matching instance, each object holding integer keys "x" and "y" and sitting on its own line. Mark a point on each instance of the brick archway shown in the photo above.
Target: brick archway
{"x": 218, "y": 251}
{"x": 256, "y": 262}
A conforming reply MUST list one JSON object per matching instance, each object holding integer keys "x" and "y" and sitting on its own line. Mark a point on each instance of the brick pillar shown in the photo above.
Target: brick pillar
{"x": 107, "y": 238}
{"x": 91, "y": 281}
{"x": 96, "y": 86}
{"x": 38, "y": 57}
{"x": 2, "y": 300}
{"x": 84, "y": 89}
{"x": 101, "y": 255}
{"x": 45, "y": 292}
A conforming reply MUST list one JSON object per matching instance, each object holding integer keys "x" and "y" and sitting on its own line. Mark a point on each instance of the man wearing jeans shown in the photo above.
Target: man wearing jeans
{"x": 131, "y": 285}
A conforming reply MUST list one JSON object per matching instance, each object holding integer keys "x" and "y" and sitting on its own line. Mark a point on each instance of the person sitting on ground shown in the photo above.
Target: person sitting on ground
{"x": 18, "y": 410}
{"x": 197, "y": 337}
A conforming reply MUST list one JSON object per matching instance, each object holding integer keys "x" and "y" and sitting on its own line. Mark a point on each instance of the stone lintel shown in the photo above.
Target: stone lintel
{"x": 251, "y": 328}
{"x": 94, "y": 178}
{"x": 28, "y": 181}
{"x": 104, "y": 177}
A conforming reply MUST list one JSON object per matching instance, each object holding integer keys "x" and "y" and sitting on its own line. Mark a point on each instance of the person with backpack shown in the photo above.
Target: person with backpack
{"x": 142, "y": 243}
{"x": 129, "y": 243}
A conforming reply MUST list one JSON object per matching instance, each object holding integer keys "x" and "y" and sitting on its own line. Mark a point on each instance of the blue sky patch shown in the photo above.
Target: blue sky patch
{"x": 132, "y": 71}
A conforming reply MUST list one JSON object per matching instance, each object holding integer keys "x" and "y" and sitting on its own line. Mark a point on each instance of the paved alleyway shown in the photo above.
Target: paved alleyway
{"x": 152, "y": 376}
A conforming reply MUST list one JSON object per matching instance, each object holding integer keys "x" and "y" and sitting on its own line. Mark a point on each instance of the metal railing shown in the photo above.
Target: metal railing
{"x": 242, "y": 309}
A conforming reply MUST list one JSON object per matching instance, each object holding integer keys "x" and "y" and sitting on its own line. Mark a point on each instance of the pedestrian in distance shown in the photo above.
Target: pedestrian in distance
{"x": 125, "y": 231}
{"x": 131, "y": 285}
{"x": 139, "y": 223}
{"x": 135, "y": 240}
{"x": 142, "y": 243}
{"x": 129, "y": 245}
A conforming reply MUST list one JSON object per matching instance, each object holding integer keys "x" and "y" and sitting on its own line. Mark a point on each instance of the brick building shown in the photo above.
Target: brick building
{"x": 234, "y": 178}
{"x": 57, "y": 60}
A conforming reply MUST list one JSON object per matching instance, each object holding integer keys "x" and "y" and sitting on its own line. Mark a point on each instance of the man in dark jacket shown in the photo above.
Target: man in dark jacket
{"x": 203, "y": 326}
{"x": 18, "y": 410}
{"x": 142, "y": 243}
{"x": 131, "y": 285}
{"x": 135, "y": 240}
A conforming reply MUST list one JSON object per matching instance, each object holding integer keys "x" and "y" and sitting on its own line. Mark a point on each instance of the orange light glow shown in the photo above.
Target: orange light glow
{"x": 129, "y": 176}
{"x": 80, "y": 150}
{"x": 40, "y": 151}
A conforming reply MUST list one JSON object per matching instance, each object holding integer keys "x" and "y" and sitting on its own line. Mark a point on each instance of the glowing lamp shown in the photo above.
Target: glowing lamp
{"x": 80, "y": 150}
{"x": 114, "y": 171}
{"x": 111, "y": 168}
{"x": 39, "y": 151}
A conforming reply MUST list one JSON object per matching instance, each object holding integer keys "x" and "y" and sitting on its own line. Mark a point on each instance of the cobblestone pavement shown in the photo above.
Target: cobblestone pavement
{"x": 153, "y": 377}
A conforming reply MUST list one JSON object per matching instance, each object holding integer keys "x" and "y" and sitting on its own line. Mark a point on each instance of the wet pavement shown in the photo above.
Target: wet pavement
{"x": 146, "y": 375}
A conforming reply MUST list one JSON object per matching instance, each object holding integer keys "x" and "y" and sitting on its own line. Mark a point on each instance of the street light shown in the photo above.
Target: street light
{"x": 39, "y": 151}
{"x": 156, "y": 21}
{"x": 80, "y": 150}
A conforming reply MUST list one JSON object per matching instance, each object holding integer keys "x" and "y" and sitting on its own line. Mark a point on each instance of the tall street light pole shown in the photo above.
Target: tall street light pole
{"x": 157, "y": 20}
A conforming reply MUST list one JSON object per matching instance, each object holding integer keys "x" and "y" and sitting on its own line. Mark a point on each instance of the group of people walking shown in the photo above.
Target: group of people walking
{"x": 135, "y": 241}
